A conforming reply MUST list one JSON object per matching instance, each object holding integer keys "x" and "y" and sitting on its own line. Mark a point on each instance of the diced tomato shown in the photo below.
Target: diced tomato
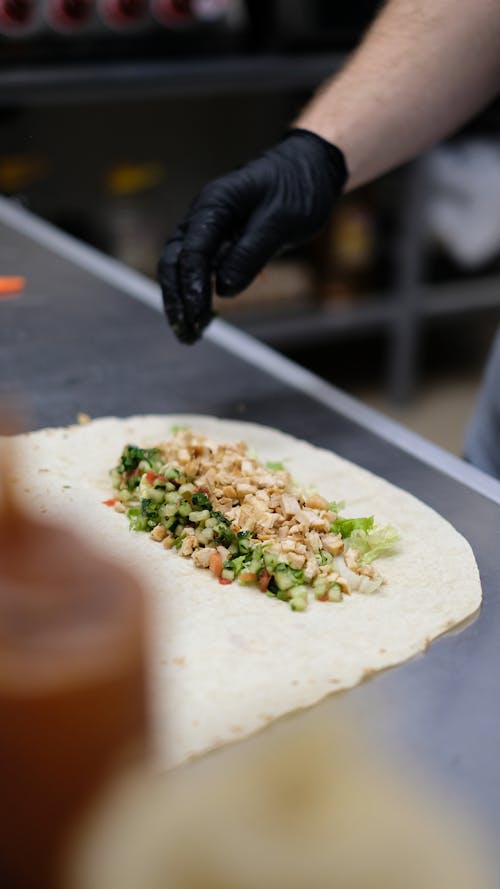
{"x": 323, "y": 598}
{"x": 151, "y": 477}
{"x": 215, "y": 564}
{"x": 223, "y": 581}
{"x": 248, "y": 577}
{"x": 111, "y": 501}
{"x": 264, "y": 578}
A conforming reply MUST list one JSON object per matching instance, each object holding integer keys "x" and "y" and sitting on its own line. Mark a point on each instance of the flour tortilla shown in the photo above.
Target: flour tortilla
{"x": 227, "y": 660}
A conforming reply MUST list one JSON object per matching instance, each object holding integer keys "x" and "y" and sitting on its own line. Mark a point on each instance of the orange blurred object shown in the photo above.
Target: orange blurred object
{"x": 10, "y": 284}
{"x": 73, "y": 703}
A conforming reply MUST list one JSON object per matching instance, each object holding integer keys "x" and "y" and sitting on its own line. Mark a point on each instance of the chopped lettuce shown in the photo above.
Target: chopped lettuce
{"x": 346, "y": 526}
{"x": 373, "y": 542}
{"x": 336, "y": 505}
{"x": 368, "y": 585}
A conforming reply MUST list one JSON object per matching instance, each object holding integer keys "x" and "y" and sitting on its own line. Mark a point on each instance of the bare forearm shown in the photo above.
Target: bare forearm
{"x": 423, "y": 69}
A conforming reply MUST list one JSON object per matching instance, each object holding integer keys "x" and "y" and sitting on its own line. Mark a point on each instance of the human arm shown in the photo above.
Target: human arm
{"x": 424, "y": 67}
{"x": 422, "y": 70}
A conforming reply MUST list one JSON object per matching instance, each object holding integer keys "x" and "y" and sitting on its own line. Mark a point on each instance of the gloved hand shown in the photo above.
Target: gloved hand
{"x": 241, "y": 220}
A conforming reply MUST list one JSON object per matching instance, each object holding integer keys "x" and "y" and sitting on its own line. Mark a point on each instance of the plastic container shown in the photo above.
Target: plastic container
{"x": 73, "y": 702}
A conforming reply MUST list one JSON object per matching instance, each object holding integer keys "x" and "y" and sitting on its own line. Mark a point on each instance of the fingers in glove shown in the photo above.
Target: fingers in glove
{"x": 168, "y": 273}
{"x": 260, "y": 241}
{"x": 205, "y": 233}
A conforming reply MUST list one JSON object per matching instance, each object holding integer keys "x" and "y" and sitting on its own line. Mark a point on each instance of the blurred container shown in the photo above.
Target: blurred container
{"x": 130, "y": 214}
{"x": 73, "y": 708}
{"x": 347, "y": 252}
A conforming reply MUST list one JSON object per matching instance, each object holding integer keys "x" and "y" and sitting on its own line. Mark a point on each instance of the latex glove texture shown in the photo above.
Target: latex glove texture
{"x": 241, "y": 220}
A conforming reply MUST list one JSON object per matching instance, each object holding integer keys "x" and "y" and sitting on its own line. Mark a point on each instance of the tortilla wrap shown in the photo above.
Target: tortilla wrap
{"x": 226, "y": 660}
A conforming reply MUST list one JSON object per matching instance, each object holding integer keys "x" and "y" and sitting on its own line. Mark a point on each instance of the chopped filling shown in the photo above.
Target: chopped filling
{"x": 247, "y": 521}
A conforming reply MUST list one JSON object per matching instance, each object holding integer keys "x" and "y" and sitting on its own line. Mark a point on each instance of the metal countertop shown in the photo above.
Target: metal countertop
{"x": 82, "y": 337}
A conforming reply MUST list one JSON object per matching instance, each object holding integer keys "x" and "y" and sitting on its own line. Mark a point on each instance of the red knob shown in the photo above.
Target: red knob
{"x": 70, "y": 13}
{"x": 172, "y": 12}
{"x": 16, "y": 14}
{"x": 124, "y": 12}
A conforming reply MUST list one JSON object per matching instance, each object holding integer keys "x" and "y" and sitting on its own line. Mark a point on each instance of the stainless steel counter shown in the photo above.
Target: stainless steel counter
{"x": 86, "y": 335}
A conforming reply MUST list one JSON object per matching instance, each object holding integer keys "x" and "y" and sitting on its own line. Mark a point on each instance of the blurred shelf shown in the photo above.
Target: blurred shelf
{"x": 317, "y": 325}
{"x": 105, "y": 81}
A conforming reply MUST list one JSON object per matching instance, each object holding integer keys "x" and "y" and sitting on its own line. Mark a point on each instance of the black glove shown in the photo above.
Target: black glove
{"x": 240, "y": 221}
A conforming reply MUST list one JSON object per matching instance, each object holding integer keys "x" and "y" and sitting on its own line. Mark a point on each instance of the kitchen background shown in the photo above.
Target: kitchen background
{"x": 113, "y": 113}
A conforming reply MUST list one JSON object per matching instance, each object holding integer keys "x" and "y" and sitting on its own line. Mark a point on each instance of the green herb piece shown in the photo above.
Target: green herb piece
{"x": 336, "y": 505}
{"x": 150, "y": 511}
{"x": 201, "y": 501}
{"x": 274, "y": 466}
{"x": 221, "y": 518}
{"x": 132, "y": 456}
{"x": 178, "y": 427}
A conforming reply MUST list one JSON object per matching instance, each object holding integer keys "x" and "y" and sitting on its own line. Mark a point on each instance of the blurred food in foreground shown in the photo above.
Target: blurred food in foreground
{"x": 306, "y": 804}
{"x": 72, "y": 684}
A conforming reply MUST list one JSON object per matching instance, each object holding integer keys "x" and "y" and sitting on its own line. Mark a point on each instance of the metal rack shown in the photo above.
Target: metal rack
{"x": 103, "y": 81}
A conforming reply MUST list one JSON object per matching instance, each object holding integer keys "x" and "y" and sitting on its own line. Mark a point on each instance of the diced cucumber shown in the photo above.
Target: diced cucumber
{"x": 204, "y": 536}
{"x": 169, "y": 522}
{"x": 138, "y": 523}
{"x": 321, "y": 586}
{"x": 270, "y": 560}
{"x": 168, "y": 509}
{"x": 283, "y": 595}
{"x": 198, "y": 516}
{"x": 255, "y": 564}
{"x": 157, "y": 494}
{"x": 244, "y": 542}
{"x": 170, "y": 472}
{"x": 184, "y": 509}
{"x": 188, "y": 488}
{"x": 324, "y": 557}
{"x": 335, "y": 593}
{"x": 238, "y": 565}
{"x": 298, "y": 604}
{"x": 227, "y": 574}
{"x": 283, "y": 576}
